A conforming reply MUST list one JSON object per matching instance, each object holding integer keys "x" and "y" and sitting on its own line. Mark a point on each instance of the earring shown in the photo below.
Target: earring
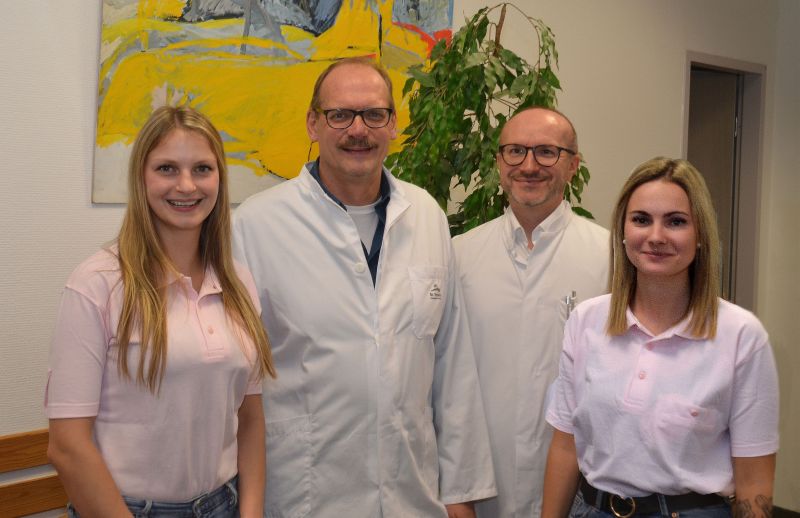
{"x": 625, "y": 242}
{"x": 698, "y": 245}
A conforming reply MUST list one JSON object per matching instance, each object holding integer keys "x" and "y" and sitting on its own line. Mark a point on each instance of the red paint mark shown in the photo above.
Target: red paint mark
{"x": 446, "y": 34}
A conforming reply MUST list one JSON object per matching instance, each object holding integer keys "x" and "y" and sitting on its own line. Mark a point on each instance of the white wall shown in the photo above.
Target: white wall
{"x": 48, "y": 78}
{"x": 623, "y": 73}
{"x": 780, "y": 288}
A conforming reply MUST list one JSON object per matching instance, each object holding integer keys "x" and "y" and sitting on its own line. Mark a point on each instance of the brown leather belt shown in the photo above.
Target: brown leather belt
{"x": 627, "y": 507}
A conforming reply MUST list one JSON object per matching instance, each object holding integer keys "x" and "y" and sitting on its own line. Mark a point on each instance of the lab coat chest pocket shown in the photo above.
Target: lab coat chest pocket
{"x": 428, "y": 292}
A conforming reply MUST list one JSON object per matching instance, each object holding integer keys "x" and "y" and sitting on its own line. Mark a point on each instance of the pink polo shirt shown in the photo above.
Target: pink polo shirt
{"x": 665, "y": 414}
{"x": 177, "y": 444}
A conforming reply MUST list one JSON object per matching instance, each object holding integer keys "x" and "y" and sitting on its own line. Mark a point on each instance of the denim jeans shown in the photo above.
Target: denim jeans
{"x": 223, "y": 502}
{"x": 580, "y": 509}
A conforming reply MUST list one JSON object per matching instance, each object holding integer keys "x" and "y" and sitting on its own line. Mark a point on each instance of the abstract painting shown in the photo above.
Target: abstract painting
{"x": 250, "y": 66}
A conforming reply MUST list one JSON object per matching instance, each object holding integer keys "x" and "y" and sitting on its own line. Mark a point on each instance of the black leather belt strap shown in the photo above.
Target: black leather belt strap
{"x": 627, "y": 507}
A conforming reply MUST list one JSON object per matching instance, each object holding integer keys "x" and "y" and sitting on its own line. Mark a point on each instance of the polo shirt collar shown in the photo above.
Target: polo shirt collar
{"x": 681, "y": 329}
{"x": 210, "y": 286}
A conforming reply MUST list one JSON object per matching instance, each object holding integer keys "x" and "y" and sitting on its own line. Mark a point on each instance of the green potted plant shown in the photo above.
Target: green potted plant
{"x": 459, "y": 100}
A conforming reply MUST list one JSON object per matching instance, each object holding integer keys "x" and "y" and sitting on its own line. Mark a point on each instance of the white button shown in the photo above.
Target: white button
{"x": 210, "y": 330}
{"x": 649, "y": 347}
{"x": 694, "y": 413}
{"x": 642, "y": 375}
{"x": 360, "y": 267}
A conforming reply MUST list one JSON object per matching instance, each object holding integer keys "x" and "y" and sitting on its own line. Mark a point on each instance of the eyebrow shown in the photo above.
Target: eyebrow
{"x": 668, "y": 214}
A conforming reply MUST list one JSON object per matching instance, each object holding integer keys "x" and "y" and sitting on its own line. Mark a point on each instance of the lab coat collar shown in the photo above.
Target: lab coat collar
{"x": 383, "y": 194}
{"x": 555, "y": 222}
{"x": 390, "y": 186}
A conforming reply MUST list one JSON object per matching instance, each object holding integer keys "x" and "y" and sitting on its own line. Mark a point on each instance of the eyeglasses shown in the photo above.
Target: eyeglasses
{"x": 342, "y": 118}
{"x": 544, "y": 154}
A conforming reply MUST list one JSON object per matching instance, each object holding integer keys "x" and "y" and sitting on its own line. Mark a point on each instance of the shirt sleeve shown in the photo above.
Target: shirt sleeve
{"x": 466, "y": 472}
{"x": 755, "y": 407}
{"x": 77, "y": 358}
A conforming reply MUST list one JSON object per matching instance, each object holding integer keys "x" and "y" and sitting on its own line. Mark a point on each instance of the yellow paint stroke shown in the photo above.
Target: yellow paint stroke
{"x": 161, "y": 8}
{"x": 257, "y": 102}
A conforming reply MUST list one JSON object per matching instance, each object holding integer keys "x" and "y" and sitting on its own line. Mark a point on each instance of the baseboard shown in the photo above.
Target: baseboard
{"x": 780, "y": 512}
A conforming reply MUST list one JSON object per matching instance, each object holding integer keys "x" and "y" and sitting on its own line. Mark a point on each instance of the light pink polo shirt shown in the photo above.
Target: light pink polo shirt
{"x": 665, "y": 414}
{"x": 180, "y": 443}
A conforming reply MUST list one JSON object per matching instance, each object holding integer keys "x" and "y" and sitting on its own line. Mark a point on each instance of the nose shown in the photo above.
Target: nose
{"x": 529, "y": 163}
{"x": 357, "y": 128}
{"x": 656, "y": 235}
{"x": 186, "y": 182}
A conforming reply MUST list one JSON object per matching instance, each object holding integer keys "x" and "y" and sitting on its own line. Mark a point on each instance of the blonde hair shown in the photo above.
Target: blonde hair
{"x": 704, "y": 272}
{"x": 144, "y": 264}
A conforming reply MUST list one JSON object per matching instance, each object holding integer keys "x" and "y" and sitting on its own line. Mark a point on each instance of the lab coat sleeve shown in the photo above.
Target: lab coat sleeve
{"x": 237, "y": 245}
{"x": 465, "y": 463}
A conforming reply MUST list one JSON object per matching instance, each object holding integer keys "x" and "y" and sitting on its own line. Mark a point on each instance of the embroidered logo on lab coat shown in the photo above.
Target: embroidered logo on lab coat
{"x": 435, "y": 292}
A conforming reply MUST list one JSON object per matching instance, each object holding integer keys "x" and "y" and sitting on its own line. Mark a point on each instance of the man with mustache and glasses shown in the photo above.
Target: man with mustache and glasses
{"x": 376, "y": 411}
{"x": 521, "y": 274}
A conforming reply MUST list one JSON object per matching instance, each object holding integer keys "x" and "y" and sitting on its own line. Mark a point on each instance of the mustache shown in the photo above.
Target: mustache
{"x": 357, "y": 142}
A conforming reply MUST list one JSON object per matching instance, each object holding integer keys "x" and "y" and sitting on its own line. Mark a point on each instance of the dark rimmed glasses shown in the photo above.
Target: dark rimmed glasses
{"x": 342, "y": 118}
{"x": 544, "y": 154}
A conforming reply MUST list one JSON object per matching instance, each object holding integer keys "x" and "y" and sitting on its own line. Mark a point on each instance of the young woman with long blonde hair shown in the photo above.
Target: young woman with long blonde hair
{"x": 154, "y": 388}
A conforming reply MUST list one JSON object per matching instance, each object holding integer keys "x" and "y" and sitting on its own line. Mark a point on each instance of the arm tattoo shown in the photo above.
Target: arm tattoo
{"x": 744, "y": 509}
{"x": 765, "y": 504}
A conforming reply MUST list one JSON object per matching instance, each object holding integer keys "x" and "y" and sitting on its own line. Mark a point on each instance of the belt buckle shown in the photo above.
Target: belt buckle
{"x": 630, "y": 501}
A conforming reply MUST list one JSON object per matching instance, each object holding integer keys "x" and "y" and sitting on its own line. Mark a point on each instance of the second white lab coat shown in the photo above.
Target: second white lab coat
{"x": 376, "y": 410}
{"x": 517, "y": 317}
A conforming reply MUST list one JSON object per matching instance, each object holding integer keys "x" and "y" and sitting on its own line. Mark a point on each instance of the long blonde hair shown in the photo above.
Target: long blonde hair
{"x": 704, "y": 272}
{"x": 144, "y": 264}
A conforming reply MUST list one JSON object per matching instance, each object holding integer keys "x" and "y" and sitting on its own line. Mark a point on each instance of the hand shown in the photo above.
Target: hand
{"x": 462, "y": 510}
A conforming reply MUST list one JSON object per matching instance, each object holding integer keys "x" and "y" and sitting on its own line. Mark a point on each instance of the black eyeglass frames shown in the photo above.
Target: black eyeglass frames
{"x": 545, "y": 155}
{"x": 342, "y": 118}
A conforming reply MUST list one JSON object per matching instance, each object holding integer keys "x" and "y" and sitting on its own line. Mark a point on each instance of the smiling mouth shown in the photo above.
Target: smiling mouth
{"x": 531, "y": 179}
{"x": 183, "y": 203}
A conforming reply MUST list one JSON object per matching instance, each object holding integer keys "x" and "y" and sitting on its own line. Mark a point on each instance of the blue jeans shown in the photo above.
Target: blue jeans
{"x": 580, "y": 509}
{"x": 223, "y": 502}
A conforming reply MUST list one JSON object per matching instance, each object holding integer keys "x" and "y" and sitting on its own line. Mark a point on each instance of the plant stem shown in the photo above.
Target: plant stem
{"x": 499, "y": 29}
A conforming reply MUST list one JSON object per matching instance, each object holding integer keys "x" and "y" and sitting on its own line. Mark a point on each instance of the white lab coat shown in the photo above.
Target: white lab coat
{"x": 376, "y": 410}
{"x": 517, "y": 317}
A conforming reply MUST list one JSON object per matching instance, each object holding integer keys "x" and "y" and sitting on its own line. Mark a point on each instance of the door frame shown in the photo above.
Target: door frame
{"x": 747, "y": 205}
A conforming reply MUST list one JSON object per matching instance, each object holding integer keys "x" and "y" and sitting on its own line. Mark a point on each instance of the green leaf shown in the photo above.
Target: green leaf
{"x": 548, "y": 75}
{"x": 438, "y": 49}
{"x": 421, "y": 77}
{"x": 474, "y": 59}
{"x": 408, "y": 86}
{"x": 582, "y": 212}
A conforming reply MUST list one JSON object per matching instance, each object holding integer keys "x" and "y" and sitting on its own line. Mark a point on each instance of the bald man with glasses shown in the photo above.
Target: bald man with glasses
{"x": 521, "y": 274}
